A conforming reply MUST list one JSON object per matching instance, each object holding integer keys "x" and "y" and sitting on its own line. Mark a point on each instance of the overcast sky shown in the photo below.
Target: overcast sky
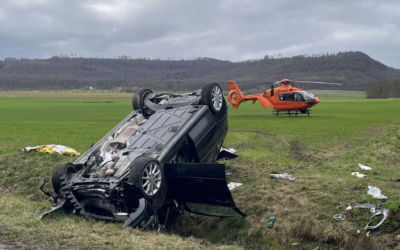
{"x": 183, "y": 29}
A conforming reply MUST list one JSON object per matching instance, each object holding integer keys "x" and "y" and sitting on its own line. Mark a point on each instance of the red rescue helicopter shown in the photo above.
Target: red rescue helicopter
{"x": 285, "y": 98}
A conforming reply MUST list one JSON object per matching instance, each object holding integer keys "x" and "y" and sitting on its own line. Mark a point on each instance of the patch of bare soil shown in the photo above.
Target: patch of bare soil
{"x": 299, "y": 152}
{"x": 7, "y": 245}
{"x": 260, "y": 132}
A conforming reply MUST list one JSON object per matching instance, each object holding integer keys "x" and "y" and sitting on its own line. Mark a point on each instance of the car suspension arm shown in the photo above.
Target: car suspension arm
{"x": 44, "y": 180}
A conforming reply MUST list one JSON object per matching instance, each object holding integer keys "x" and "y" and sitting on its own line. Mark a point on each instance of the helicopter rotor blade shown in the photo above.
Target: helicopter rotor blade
{"x": 332, "y": 83}
{"x": 291, "y": 83}
{"x": 253, "y": 83}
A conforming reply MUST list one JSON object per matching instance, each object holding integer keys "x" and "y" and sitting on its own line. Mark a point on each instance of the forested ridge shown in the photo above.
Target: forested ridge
{"x": 354, "y": 69}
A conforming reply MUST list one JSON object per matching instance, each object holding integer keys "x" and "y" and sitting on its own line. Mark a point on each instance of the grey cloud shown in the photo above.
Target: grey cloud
{"x": 226, "y": 29}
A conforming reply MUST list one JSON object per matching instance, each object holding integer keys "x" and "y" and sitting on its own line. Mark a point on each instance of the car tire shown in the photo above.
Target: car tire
{"x": 213, "y": 97}
{"x": 147, "y": 174}
{"x": 138, "y": 99}
{"x": 58, "y": 171}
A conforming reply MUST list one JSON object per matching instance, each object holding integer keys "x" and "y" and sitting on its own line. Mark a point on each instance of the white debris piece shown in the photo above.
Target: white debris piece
{"x": 363, "y": 167}
{"x": 232, "y": 150}
{"x": 233, "y": 185}
{"x": 376, "y": 193}
{"x": 358, "y": 174}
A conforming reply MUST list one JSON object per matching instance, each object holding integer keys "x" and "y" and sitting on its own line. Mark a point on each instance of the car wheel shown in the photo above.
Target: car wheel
{"x": 59, "y": 170}
{"x": 138, "y": 99}
{"x": 213, "y": 97}
{"x": 147, "y": 175}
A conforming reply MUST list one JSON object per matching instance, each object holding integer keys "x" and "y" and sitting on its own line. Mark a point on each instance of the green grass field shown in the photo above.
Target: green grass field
{"x": 321, "y": 151}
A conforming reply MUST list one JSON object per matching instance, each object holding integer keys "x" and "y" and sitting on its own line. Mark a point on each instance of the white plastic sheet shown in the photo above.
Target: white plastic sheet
{"x": 233, "y": 185}
{"x": 363, "y": 167}
{"x": 376, "y": 193}
{"x": 358, "y": 174}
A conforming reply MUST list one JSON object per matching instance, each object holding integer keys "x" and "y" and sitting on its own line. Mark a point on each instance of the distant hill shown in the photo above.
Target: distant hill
{"x": 354, "y": 69}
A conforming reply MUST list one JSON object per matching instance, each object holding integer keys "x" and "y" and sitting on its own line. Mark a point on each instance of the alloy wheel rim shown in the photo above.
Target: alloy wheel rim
{"x": 217, "y": 97}
{"x": 151, "y": 178}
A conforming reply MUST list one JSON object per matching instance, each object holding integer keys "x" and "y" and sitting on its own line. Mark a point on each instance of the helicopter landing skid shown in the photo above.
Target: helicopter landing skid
{"x": 291, "y": 112}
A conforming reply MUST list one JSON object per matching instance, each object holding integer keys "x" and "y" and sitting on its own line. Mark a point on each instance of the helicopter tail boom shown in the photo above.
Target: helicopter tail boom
{"x": 235, "y": 97}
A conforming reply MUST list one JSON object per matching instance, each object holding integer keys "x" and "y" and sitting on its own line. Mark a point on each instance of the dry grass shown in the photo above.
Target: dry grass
{"x": 18, "y": 220}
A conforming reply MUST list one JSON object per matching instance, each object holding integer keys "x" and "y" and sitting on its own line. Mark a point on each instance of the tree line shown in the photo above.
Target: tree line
{"x": 384, "y": 89}
{"x": 355, "y": 70}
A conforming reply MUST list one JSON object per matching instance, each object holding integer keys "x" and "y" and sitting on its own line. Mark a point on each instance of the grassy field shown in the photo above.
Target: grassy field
{"x": 321, "y": 151}
{"x": 338, "y": 94}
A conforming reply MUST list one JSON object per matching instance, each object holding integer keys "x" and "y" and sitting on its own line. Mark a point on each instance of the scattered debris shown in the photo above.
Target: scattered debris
{"x": 52, "y": 148}
{"x": 376, "y": 231}
{"x": 353, "y": 228}
{"x": 376, "y": 193}
{"x": 363, "y": 167}
{"x": 310, "y": 166}
{"x": 375, "y": 211}
{"x": 365, "y": 205}
{"x": 233, "y": 185}
{"x": 372, "y": 207}
{"x": 339, "y": 217}
{"x": 228, "y": 173}
{"x": 384, "y": 213}
{"x": 358, "y": 174}
{"x": 271, "y": 221}
{"x": 284, "y": 176}
{"x": 313, "y": 223}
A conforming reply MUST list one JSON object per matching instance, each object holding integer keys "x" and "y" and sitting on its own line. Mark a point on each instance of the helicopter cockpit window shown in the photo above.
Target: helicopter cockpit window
{"x": 308, "y": 96}
{"x": 298, "y": 97}
{"x": 286, "y": 97}
{"x": 290, "y": 97}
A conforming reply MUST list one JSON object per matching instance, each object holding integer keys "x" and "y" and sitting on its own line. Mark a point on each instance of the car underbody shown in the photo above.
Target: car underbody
{"x": 160, "y": 157}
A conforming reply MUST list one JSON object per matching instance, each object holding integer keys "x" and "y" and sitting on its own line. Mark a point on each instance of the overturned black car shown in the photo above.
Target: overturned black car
{"x": 160, "y": 157}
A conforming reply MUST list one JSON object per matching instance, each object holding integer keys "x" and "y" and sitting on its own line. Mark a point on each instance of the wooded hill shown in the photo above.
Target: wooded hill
{"x": 354, "y": 69}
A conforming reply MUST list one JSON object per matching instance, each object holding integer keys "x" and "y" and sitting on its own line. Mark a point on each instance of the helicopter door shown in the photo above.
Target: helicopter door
{"x": 298, "y": 97}
{"x": 282, "y": 100}
{"x": 290, "y": 100}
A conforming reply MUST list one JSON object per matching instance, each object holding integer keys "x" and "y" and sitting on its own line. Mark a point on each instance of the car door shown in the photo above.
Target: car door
{"x": 201, "y": 187}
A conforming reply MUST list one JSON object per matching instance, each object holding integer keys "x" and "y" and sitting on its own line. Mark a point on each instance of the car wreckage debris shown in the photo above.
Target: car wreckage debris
{"x": 375, "y": 211}
{"x": 353, "y": 228}
{"x": 233, "y": 185}
{"x": 384, "y": 213}
{"x": 339, "y": 217}
{"x": 284, "y": 176}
